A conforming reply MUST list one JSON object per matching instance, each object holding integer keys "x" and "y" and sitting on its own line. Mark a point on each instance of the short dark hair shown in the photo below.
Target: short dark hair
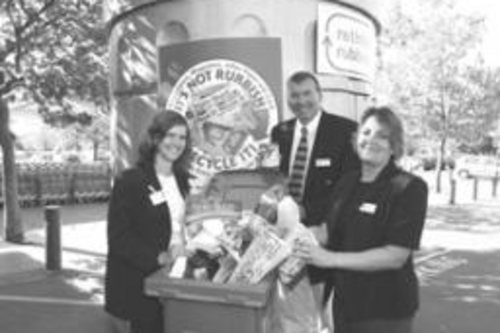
{"x": 385, "y": 116}
{"x": 301, "y": 76}
{"x": 160, "y": 125}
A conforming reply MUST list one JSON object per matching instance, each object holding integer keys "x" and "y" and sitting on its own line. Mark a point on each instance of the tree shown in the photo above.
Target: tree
{"x": 94, "y": 136}
{"x": 434, "y": 73}
{"x": 55, "y": 51}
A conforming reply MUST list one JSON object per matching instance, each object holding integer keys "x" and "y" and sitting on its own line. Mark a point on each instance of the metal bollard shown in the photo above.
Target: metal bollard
{"x": 494, "y": 187}
{"x": 474, "y": 189}
{"x": 453, "y": 191}
{"x": 52, "y": 238}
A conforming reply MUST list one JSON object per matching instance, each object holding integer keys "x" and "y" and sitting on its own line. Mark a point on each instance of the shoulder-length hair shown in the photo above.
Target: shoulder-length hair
{"x": 161, "y": 124}
{"x": 388, "y": 118}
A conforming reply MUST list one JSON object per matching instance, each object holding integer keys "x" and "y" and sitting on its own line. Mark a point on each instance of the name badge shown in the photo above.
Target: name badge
{"x": 156, "y": 197}
{"x": 323, "y": 163}
{"x": 368, "y": 208}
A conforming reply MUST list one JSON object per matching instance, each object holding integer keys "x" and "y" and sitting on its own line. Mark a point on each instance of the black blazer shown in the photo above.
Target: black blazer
{"x": 332, "y": 156}
{"x": 138, "y": 231}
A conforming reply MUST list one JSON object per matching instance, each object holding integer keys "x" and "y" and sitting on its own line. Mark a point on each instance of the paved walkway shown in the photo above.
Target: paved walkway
{"x": 33, "y": 299}
{"x": 460, "y": 293}
{"x": 459, "y": 268}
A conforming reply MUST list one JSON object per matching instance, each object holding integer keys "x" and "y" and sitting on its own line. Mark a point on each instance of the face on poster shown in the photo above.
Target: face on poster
{"x": 230, "y": 109}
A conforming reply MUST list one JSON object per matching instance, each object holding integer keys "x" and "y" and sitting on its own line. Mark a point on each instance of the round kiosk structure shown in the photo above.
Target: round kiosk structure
{"x": 224, "y": 65}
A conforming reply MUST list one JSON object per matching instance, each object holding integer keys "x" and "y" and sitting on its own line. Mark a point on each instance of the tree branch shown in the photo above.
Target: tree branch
{"x": 32, "y": 19}
{"x": 11, "y": 85}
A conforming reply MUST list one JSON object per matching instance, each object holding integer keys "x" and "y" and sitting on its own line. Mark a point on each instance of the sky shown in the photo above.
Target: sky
{"x": 491, "y": 47}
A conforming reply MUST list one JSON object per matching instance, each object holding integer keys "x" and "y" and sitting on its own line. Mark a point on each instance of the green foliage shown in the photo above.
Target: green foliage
{"x": 56, "y": 50}
{"x": 433, "y": 72}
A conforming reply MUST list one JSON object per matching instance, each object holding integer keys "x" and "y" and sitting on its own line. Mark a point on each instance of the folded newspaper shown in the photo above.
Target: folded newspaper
{"x": 264, "y": 254}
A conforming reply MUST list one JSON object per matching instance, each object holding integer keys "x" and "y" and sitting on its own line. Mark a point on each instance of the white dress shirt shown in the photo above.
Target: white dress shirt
{"x": 176, "y": 205}
{"x": 312, "y": 129}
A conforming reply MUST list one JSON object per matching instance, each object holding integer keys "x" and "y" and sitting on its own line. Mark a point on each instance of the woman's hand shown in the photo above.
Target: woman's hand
{"x": 177, "y": 250}
{"x": 320, "y": 233}
{"x": 167, "y": 258}
{"x": 164, "y": 259}
{"x": 313, "y": 254}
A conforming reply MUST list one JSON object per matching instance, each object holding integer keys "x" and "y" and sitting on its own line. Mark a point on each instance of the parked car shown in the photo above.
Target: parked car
{"x": 430, "y": 163}
{"x": 478, "y": 166}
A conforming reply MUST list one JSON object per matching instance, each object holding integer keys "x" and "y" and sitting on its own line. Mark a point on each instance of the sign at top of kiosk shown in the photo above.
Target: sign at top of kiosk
{"x": 346, "y": 42}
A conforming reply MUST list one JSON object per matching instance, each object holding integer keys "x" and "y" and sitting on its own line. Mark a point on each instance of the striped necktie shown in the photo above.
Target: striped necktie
{"x": 296, "y": 183}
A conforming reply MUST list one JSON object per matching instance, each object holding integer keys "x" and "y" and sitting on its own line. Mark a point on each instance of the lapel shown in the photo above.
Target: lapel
{"x": 317, "y": 139}
{"x": 288, "y": 132}
{"x": 151, "y": 178}
{"x": 153, "y": 185}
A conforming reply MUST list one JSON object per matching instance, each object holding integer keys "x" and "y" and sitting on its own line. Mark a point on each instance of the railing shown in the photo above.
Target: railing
{"x": 494, "y": 185}
{"x": 471, "y": 185}
{"x": 56, "y": 183}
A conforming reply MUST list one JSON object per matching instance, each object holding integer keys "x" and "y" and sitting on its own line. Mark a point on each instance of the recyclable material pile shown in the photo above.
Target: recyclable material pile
{"x": 225, "y": 242}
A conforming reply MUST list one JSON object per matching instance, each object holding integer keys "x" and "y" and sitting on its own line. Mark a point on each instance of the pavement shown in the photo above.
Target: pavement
{"x": 35, "y": 299}
{"x": 458, "y": 265}
{"x": 460, "y": 293}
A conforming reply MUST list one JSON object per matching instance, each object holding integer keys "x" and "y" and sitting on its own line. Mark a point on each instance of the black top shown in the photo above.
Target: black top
{"x": 387, "y": 211}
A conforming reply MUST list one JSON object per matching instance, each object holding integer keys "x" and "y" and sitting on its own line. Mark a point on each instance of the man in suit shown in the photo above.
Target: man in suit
{"x": 316, "y": 149}
{"x": 330, "y": 152}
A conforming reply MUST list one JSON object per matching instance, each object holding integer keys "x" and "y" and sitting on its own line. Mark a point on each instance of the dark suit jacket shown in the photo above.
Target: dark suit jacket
{"x": 332, "y": 156}
{"x": 138, "y": 231}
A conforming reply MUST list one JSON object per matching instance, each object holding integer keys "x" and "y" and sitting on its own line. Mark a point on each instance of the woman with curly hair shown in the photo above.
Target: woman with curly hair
{"x": 145, "y": 223}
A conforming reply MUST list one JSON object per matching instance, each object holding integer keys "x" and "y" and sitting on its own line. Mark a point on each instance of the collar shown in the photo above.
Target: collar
{"x": 150, "y": 175}
{"x": 312, "y": 126}
{"x": 387, "y": 172}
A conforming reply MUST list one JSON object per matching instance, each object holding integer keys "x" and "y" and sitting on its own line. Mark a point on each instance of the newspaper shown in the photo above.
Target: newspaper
{"x": 264, "y": 254}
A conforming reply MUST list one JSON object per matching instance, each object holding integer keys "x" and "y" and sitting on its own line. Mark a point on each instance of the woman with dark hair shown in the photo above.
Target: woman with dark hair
{"x": 145, "y": 223}
{"x": 372, "y": 230}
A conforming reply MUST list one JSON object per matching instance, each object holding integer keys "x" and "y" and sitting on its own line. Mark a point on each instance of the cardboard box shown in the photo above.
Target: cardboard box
{"x": 192, "y": 306}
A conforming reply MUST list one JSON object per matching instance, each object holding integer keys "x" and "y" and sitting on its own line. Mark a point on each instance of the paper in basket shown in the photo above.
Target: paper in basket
{"x": 264, "y": 254}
